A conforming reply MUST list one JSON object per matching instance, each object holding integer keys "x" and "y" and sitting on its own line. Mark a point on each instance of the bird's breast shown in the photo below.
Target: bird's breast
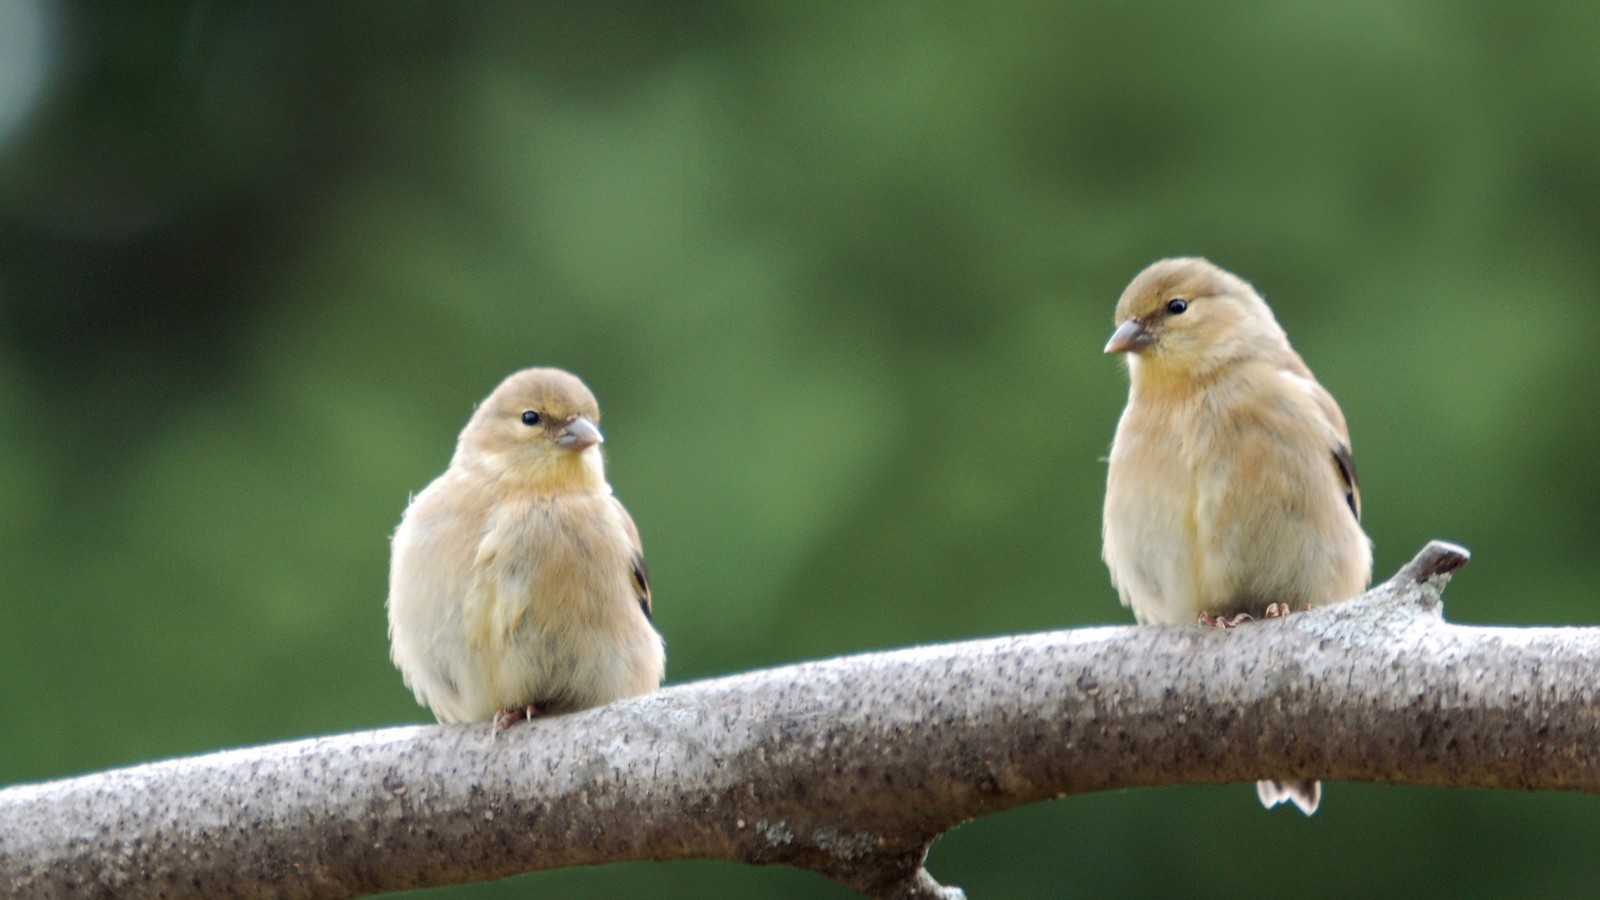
{"x": 561, "y": 562}
{"x": 1150, "y": 529}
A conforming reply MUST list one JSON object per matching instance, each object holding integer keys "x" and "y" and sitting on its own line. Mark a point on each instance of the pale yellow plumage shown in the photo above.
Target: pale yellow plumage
{"x": 516, "y": 579}
{"x": 1231, "y": 484}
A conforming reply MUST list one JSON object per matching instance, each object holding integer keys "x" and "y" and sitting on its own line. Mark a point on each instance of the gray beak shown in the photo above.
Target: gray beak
{"x": 579, "y": 434}
{"x": 1130, "y": 337}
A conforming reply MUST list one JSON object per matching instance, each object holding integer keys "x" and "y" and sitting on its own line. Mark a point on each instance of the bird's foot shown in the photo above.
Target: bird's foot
{"x": 1225, "y": 622}
{"x": 510, "y": 716}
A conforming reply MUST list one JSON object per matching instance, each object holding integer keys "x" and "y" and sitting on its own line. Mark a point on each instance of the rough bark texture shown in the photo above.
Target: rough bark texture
{"x": 849, "y": 767}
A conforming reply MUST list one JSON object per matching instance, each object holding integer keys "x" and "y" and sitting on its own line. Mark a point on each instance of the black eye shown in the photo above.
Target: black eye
{"x": 1177, "y": 305}
{"x": 530, "y": 417}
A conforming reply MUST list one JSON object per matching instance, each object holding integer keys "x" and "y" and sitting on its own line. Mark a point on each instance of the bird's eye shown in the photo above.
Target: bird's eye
{"x": 530, "y": 417}
{"x": 1177, "y": 305}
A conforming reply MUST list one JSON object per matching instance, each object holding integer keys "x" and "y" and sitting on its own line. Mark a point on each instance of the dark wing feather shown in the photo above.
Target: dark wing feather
{"x": 1341, "y": 433}
{"x": 1347, "y": 471}
{"x": 641, "y": 575}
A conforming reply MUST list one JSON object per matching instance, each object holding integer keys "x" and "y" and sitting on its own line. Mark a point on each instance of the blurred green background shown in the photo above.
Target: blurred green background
{"x": 840, "y": 274}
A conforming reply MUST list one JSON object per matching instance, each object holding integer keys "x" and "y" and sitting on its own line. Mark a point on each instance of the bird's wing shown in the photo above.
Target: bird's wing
{"x": 1339, "y": 434}
{"x": 1347, "y": 471}
{"x": 641, "y": 575}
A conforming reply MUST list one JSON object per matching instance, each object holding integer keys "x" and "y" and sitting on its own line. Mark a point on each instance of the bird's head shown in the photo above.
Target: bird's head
{"x": 541, "y": 428}
{"x": 1186, "y": 317}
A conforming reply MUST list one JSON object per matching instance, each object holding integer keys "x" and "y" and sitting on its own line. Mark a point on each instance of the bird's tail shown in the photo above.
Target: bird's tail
{"x": 1304, "y": 794}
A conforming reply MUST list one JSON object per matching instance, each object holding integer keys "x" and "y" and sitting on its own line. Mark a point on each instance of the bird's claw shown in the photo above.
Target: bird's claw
{"x": 1225, "y": 622}
{"x": 1273, "y": 611}
{"x": 510, "y": 716}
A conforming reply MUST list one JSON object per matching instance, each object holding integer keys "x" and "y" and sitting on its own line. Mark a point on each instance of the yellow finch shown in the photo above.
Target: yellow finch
{"x": 517, "y": 585}
{"x": 1231, "y": 486}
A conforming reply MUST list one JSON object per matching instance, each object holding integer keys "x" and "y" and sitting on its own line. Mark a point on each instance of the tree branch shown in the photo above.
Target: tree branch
{"x": 849, "y": 767}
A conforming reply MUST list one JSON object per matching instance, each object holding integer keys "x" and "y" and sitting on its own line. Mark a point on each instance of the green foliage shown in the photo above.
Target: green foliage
{"x": 840, "y": 275}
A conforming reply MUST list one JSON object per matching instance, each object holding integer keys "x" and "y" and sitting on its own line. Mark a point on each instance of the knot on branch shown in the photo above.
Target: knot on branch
{"x": 1437, "y": 559}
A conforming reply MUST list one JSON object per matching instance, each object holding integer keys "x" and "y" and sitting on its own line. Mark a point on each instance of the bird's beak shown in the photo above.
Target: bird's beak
{"x": 1130, "y": 337}
{"x": 579, "y": 434}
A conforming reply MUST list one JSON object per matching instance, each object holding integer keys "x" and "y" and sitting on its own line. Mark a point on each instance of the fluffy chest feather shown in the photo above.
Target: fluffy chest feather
{"x": 552, "y": 564}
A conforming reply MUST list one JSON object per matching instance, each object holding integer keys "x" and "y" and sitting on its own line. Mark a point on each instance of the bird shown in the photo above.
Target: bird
{"x": 1231, "y": 490}
{"x": 517, "y": 583}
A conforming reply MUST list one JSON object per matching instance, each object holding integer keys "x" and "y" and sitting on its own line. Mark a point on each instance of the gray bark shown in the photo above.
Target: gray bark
{"x": 849, "y": 767}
